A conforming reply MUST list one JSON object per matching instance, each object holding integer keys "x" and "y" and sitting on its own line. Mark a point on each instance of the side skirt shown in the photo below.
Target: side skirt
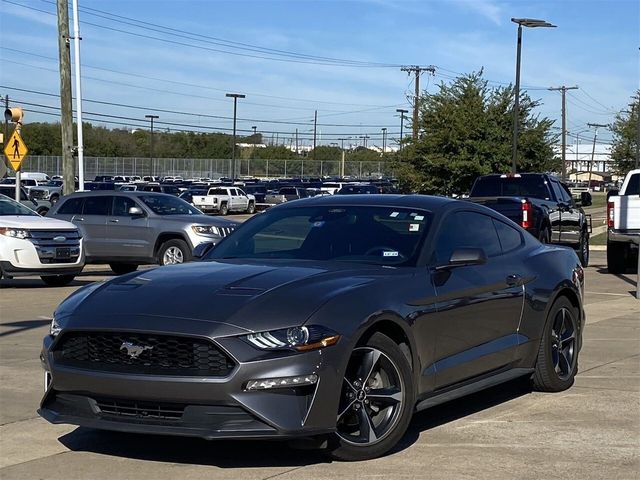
{"x": 476, "y": 386}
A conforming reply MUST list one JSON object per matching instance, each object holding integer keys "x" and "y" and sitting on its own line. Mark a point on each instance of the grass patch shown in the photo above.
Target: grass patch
{"x": 599, "y": 200}
{"x": 600, "y": 239}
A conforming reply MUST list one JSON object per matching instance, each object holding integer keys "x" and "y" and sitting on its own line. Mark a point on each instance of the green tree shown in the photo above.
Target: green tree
{"x": 465, "y": 130}
{"x": 625, "y": 138}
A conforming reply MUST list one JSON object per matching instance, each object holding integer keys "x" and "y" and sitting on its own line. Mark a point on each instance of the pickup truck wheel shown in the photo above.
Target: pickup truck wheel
{"x": 617, "y": 256}
{"x": 224, "y": 209}
{"x": 251, "y": 208}
{"x": 122, "y": 268}
{"x": 173, "y": 252}
{"x": 54, "y": 199}
{"x": 583, "y": 249}
{"x": 544, "y": 236}
{"x": 42, "y": 211}
{"x": 58, "y": 280}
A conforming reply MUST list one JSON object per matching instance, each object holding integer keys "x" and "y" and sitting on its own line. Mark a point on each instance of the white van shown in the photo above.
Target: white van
{"x": 37, "y": 176}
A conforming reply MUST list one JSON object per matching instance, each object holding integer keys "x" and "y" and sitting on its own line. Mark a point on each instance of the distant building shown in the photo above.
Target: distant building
{"x": 582, "y": 158}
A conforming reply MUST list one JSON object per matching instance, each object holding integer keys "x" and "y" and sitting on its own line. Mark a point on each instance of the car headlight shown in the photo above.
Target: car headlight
{"x": 15, "y": 232}
{"x": 206, "y": 230}
{"x": 302, "y": 339}
{"x": 54, "y": 328}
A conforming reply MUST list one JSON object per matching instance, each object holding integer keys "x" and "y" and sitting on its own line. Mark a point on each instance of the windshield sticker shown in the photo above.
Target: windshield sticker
{"x": 418, "y": 218}
{"x": 390, "y": 254}
{"x": 394, "y": 214}
{"x": 414, "y": 227}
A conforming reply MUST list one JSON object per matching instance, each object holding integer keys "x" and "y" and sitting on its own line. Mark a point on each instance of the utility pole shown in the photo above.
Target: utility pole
{"x": 343, "y": 155}
{"x": 253, "y": 152}
{"x": 315, "y": 126}
{"x": 401, "y": 112}
{"x": 297, "y": 152}
{"x": 76, "y": 54}
{"x": 564, "y": 89}
{"x": 66, "y": 107}
{"x": 152, "y": 118}
{"x": 235, "y": 97}
{"x": 364, "y": 140}
{"x": 384, "y": 140}
{"x": 417, "y": 70}
{"x": 3, "y": 166}
{"x": 593, "y": 151}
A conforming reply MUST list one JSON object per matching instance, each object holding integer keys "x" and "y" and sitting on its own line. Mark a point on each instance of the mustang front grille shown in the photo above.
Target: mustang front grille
{"x": 140, "y": 353}
{"x": 140, "y": 410}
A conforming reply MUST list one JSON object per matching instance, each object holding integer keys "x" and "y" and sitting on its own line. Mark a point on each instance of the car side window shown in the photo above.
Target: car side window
{"x": 557, "y": 191}
{"x": 121, "y": 206}
{"x": 510, "y": 238}
{"x": 566, "y": 194}
{"x": 97, "y": 205}
{"x": 633, "y": 187}
{"x": 466, "y": 230}
{"x": 72, "y": 206}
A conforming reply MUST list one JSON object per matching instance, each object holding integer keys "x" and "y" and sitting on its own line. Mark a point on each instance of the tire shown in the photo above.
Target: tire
{"x": 557, "y": 362}
{"x": 385, "y": 368}
{"x": 54, "y": 199}
{"x": 545, "y": 236}
{"x": 251, "y": 209}
{"x": 122, "y": 268}
{"x": 224, "y": 209}
{"x": 583, "y": 249}
{"x": 58, "y": 280}
{"x": 174, "y": 251}
{"x": 42, "y": 211}
{"x": 617, "y": 257}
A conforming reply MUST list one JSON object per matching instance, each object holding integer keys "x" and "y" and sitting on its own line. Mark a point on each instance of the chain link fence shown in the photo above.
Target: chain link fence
{"x": 211, "y": 168}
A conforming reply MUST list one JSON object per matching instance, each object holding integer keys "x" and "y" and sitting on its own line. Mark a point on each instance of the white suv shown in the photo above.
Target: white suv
{"x": 35, "y": 245}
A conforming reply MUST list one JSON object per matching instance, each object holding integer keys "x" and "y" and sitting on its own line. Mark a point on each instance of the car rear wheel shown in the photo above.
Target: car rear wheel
{"x": 42, "y": 211}
{"x": 376, "y": 401}
{"x": 251, "y": 208}
{"x": 617, "y": 255}
{"x": 122, "y": 268}
{"x": 544, "y": 236}
{"x": 57, "y": 280}
{"x": 173, "y": 252}
{"x": 557, "y": 362}
{"x": 224, "y": 209}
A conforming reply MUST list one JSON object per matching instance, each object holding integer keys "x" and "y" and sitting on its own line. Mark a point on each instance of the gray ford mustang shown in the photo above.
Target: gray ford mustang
{"x": 331, "y": 318}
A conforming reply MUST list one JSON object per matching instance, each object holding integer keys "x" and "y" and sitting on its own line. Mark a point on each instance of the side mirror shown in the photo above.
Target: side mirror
{"x": 464, "y": 257}
{"x": 136, "y": 212}
{"x": 585, "y": 199}
{"x": 202, "y": 249}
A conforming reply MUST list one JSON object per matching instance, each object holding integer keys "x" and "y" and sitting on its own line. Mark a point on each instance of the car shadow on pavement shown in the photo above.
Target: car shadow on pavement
{"x": 37, "y": 283}
{"x": 22, "y": 326}
{"x": 255, "y": 453}
{"x": 625, "y": 277}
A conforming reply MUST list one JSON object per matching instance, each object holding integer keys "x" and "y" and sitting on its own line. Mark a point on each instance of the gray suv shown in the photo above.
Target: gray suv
{"x": 126, "y": 229}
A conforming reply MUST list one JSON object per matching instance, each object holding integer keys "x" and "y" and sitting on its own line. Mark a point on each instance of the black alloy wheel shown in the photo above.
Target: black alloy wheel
{"x": 557, "y": 362}
{"x": 376, "y": 401}
{"x": 583, "y": 249}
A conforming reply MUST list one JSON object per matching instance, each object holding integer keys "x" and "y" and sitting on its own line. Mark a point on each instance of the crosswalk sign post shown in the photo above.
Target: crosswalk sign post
{"x": 16, "y": 150}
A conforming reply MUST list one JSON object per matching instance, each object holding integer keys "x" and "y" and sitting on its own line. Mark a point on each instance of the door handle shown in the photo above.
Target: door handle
{"x": 514, "y": 280}
{"x": 79, "y": 219}
{"x": 113, "y": 220}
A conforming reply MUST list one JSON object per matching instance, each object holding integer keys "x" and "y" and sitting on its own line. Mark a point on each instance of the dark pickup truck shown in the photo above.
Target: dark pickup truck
{"x": 540, "y": 204}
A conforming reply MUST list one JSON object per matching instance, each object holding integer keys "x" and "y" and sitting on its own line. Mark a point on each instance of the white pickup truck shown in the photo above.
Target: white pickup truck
{"x": 623, "y": 222}
{"x": 223, "y": 200}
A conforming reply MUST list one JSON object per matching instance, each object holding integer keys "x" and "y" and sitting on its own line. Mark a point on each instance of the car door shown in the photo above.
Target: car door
{"x": 571, "y": 217}
{"x": 478, "y": 307}
{"x": 92, "y": 222}
{"x": 128, "y": 236}
{"x": 243, "y": 200}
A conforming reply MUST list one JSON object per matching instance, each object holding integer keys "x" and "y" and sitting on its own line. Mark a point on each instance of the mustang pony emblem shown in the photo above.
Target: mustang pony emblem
{"x": 134, "y": 351}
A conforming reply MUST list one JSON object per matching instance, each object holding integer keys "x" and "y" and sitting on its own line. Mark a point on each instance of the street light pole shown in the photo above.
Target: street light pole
{"x": 152, "y": 118}
{"x": 531, "y": 23}
{"x": 235, "y": 97}
{"x": 401, "y": 111}
{"x": 384, "y": 140}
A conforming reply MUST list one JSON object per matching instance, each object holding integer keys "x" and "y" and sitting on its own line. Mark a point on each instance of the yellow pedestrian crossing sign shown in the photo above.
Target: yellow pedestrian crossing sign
{"x": 15, "y": 150}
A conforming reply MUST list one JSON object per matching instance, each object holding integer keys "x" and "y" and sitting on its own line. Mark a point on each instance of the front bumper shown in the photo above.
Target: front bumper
{"x": 207, "y": 407}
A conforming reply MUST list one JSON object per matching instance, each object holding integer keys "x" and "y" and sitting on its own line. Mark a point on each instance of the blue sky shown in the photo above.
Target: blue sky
{"x": 595, "y": 47}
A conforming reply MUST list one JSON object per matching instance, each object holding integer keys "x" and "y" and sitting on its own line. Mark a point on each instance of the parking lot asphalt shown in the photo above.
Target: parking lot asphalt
{"x": 591, "y": 431}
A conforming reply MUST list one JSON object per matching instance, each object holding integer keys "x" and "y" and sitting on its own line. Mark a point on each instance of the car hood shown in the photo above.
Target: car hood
{"x": 35, "y": 222}
{"x": 222, "y": 298}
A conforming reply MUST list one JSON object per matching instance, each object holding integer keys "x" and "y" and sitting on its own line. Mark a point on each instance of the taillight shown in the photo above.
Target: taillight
{"x": 527, "y": 215}
{"x": 610, "y": 214}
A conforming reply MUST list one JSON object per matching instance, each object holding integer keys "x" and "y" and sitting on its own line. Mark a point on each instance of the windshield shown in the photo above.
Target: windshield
{"x": 377, "y": 235}
{"x": 9, "y": 207}
{"x": 168, "y": 205}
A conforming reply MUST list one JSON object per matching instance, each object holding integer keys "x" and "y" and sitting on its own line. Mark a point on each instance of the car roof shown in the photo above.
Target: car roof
{"x": 425, "y": 202}
{"x": 100, "y": 193}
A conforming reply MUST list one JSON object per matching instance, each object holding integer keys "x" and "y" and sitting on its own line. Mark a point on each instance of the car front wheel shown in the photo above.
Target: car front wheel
{"x": 376, "y": 401}
{"x": 173, "y": 252}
